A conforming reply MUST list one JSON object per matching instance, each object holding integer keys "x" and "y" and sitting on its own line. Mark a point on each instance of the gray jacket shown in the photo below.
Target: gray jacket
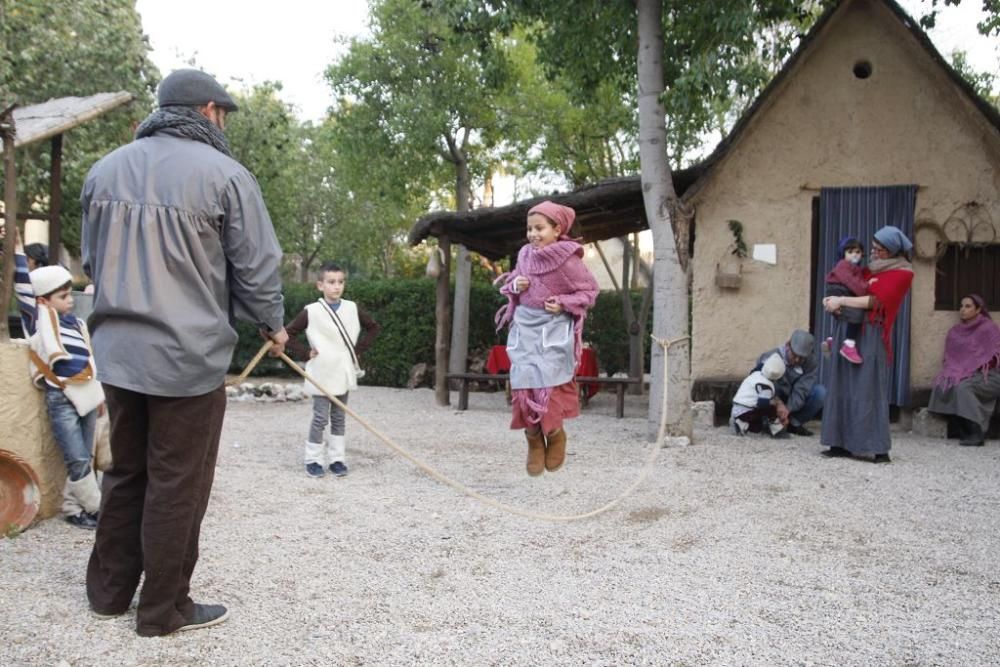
{"x": 177, "y": 240}
{"x": 794, "y": 386}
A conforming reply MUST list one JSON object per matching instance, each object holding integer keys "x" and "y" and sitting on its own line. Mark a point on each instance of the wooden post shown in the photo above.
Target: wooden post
{"x": 55, "y": 201}
{"x": 458, "y": 352}
{"x": 8, "y": 131}
{"x": 442, "y": 321}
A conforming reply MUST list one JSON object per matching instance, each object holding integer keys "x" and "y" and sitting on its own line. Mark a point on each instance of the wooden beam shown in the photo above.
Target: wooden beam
{"x": 442, "y": 324}
{"x": 55, "y": 200}
{"x": 10, "y": 206}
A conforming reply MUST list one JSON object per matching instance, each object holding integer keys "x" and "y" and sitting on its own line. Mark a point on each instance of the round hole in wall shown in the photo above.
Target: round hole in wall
{"x": 862, "y": 69}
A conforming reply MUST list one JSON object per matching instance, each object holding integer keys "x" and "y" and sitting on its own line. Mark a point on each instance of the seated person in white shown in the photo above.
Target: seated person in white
{"x": 755, "y": 404}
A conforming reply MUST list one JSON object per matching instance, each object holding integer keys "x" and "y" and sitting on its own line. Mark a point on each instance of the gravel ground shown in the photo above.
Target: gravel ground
{"x": 734, "y": 552}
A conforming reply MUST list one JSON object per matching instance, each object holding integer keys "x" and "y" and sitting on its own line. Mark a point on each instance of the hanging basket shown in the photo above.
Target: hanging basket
{"x": 729, "y": 276}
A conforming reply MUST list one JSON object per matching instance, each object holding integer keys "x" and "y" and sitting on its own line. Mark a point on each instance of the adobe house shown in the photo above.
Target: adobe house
{"x": 865, "y": 103}
{"x": 865, "y": 125}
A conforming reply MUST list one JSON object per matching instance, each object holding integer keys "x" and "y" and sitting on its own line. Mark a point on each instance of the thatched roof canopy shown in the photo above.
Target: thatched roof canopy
{"x": 608, "y": 209}
{"x": 42, "y": 121}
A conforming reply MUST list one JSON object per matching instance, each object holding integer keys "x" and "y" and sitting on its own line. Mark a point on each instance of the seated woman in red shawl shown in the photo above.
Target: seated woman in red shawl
{"x": 968, "y": 385}
{"x": 856, "y": 410}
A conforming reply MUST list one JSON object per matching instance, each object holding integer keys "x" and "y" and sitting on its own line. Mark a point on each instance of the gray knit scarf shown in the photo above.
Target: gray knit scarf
{"x": 184, "y": 122}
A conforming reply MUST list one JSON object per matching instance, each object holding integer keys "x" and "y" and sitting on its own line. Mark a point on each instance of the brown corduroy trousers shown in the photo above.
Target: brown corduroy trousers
{"x": 154, "y": 498}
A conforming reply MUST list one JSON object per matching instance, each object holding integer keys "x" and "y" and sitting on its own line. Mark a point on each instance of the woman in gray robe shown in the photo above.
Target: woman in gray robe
{"x": 856, "y": 411}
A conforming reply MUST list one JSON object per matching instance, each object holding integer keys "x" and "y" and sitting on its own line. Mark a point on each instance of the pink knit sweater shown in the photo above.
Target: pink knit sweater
{"x": 554, "y": 270}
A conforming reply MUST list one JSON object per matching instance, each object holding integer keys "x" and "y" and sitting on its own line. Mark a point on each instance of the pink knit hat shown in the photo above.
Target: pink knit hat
{"x": 557, "y": 213}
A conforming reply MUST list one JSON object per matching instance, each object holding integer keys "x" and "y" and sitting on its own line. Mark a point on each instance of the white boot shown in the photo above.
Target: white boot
{"x": 336, "y": 449}
{"x": 83, "y": 495}
{"x": 314, "y": 453}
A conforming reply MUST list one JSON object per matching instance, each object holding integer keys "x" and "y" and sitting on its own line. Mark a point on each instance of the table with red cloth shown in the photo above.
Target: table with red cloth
{"x": 499, "y": 362}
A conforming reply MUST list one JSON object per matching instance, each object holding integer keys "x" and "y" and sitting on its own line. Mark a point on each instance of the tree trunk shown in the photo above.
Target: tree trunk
{"x": 459, "y": 355}
{"x": 670, "y": 311}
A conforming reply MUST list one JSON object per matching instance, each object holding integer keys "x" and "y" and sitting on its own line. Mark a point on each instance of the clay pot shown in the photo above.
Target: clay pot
{"x": 20, "y": 493}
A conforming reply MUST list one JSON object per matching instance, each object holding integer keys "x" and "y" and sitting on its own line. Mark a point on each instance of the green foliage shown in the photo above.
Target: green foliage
{"x": 984, "y": 83}
{"x": 739, "y": 245}
{"x": 990, "y": 25}
{"x": 58, "y": 48}
{"x": 404, "y": 308}
{"x": 582, "y": 140}
{"x": 605, "y": 330}
{"x": 717, "y": 55}
{"x": 293, "y": 164}
{"x": 421, "y": 95}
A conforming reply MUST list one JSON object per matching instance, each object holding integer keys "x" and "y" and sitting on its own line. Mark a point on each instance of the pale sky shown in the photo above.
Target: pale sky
{"x": 250, "y": 41}
{"x": 292, "y": 41}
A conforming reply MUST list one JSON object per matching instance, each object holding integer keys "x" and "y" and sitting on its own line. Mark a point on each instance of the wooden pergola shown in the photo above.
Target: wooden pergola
{"x": 23, "y": 126}
{"x": 608, "y": 209}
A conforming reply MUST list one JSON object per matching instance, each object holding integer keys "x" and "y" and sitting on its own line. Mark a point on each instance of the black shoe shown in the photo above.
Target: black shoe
{"x": 205, "y": 615}
{"x": 881, "y": 458}
{"x": 84, "y": 520}
{"x": 102, "y": 616}
{"x": 798, "y": 429}
{"x": 338, "y": 468}
{"x": 972, "y": 434}
{"x": 781, "y": 435}
{"x": 836, "y": 452}
{"x": 314, "y": 470}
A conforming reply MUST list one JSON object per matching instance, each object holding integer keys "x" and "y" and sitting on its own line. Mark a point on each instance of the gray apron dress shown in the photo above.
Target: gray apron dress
{"x": 856, "y": 410}
{"x": 540, "y": 346}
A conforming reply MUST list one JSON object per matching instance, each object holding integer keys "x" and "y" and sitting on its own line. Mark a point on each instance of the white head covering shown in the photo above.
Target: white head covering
{"x": 47, "y": 279}
{"x": 774, "y": 367}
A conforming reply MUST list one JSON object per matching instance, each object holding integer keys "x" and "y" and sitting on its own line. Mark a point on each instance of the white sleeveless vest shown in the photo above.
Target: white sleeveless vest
{"x": 332, "y": 367}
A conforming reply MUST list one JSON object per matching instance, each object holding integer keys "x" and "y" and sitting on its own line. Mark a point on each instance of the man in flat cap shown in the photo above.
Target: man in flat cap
{"x": 178, "y": 240}
{"x": 800, "y": 396}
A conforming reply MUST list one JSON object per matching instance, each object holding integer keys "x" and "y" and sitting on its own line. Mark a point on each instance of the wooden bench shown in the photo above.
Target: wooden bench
{"x": 620, "y": 384}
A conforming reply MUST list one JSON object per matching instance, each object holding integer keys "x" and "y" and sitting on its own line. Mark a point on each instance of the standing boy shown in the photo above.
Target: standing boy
{"x": 63, "y": 366}
{"x": 332, "y": 326}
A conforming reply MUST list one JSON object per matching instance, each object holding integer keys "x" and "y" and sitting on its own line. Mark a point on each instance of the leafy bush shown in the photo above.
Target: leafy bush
{"x": 404, "y": 308}
{"x": 605, "y": 331}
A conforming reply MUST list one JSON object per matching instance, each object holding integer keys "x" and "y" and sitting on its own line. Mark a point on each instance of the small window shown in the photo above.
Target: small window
{"x": 862, "y": 69}
{"x": 965, "y": 270}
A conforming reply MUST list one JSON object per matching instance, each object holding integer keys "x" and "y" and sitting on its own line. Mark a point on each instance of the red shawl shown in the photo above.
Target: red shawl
{"x": 889, "y": 291}
{"x": 969, "y": 347}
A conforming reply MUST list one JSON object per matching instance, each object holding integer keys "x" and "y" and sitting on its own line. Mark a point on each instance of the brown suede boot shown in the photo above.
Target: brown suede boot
{"x": 555, "y": 450}
{"x": 536, "y": 453}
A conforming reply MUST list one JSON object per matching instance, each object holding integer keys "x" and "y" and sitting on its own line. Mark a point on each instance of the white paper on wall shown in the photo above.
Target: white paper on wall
{"x": 765, "y": 252}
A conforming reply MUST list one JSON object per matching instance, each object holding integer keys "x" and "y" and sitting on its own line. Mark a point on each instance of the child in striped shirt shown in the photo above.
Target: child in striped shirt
{"x": 63, "y": 365}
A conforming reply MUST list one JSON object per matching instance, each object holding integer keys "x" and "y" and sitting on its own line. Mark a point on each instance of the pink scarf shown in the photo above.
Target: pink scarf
{"x": 533, "y": 262}
{"x": 969, "y": 347}
{"x": 561, "y": 215}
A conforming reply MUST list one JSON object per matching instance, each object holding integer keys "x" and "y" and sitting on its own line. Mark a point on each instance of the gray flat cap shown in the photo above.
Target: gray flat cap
{"x": 802, "y": 343}
{"x": 193, "y": 88}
